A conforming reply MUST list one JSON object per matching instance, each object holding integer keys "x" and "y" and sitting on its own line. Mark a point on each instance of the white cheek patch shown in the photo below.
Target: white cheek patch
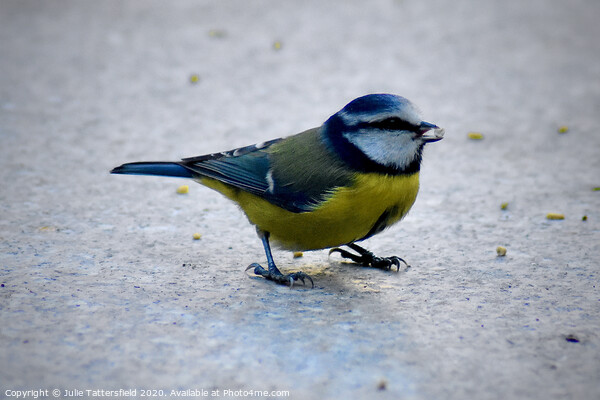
{"x": 391, "y": 149}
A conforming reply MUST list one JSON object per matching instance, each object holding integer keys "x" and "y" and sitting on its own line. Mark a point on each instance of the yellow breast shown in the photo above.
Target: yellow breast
{"x": 347, "y": 216}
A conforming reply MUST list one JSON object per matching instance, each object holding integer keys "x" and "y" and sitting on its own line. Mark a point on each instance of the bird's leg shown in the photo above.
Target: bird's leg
{"x": 365, "y": 257}
{"x": 273, "y": 272}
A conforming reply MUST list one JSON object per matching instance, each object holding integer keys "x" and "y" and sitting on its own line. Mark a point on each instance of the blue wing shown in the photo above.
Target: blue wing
{"x": 250, "y": 168}
{"x": 245, "y": 168}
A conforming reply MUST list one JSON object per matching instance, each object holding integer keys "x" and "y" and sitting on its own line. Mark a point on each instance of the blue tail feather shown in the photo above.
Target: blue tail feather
{"x": 154, "y": 168}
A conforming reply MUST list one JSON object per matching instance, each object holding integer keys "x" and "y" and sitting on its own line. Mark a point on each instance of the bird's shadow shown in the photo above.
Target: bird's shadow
{"x": 334, "y": 276}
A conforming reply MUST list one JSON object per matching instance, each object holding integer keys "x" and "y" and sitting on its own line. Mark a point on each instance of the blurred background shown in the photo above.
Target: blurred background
{"x": 104, "y": 287}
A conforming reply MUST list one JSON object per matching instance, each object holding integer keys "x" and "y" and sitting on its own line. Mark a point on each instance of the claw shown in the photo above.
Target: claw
{"x": 258, "y": 269}
{"x": 367, "y": 258}
{"x": 301, "y": 275}
{"x": 277, "y": 277}
{"x": 347, "y": 254}
{"x": 398, "y": 260}
{"x": 337, "y": 249}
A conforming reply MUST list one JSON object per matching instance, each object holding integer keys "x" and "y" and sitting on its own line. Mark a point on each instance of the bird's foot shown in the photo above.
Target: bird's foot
{"x": 365, "y": 257}
{"x": 273, "y": 274}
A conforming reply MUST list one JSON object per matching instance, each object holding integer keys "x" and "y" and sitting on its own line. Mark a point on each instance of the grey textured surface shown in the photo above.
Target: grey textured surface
{"x": 104, "y": 288}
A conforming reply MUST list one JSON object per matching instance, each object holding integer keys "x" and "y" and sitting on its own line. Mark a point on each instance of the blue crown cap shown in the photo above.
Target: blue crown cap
{"x": 375, "y": 103}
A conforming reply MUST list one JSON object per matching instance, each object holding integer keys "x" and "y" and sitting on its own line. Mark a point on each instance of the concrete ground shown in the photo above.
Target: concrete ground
{"x": 103, "y": 287}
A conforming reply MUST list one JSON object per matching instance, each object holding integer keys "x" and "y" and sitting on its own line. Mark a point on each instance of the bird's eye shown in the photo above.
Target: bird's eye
{"x": 394, "y": 124}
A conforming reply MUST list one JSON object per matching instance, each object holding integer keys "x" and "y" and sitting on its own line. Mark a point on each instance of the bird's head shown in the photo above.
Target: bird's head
{"x": 380, "y": 132}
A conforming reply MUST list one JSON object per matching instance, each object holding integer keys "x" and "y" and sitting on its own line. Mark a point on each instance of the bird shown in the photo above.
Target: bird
{"x": 324, "y": 188}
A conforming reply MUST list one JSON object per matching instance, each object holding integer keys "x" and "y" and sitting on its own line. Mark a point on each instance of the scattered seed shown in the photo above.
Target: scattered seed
{"x": 217, "y": 33}
{"x": 183, "y": 189}
{"x": 475, "y": 135}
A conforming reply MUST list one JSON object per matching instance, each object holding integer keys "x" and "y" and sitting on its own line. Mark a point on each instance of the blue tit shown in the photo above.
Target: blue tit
{"x": 330, "y": 186}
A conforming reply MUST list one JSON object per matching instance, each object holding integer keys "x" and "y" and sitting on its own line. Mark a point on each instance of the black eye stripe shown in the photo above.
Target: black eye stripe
{"x": 390, "y": 124}
{"x": 395, "y": 124}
